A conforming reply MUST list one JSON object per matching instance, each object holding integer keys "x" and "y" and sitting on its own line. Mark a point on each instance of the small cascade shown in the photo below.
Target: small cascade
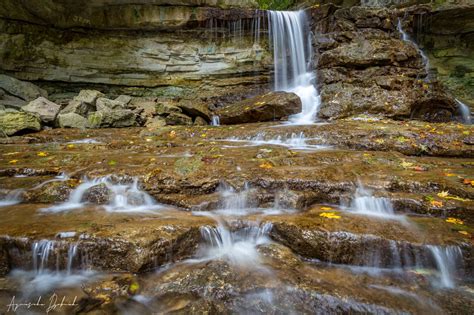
{"x": 13, "y": 197}
{"x": 71, "y": 255}
{"x": 366, "y": 204}
{"x": 407, "y": 38}
{"x": 292, "y": 52}
{"x": 122, "y": 197}
{"x": 238, "y": 247}
{"x": 41, "y": 252}
{"x": 447, "y": 260}
{"x": 215, "y": 121}
{"x": 129, "y": 198}
{"x": 60, "y": 178}
{"x": 465, "y": 112}
{"x": 294, "y": 141}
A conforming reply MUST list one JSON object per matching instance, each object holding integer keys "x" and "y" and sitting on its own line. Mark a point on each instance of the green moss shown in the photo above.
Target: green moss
{"x": 275, "y": 4}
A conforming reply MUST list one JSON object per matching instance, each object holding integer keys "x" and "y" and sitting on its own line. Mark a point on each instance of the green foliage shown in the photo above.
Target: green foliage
{"x": 275, "y": 4}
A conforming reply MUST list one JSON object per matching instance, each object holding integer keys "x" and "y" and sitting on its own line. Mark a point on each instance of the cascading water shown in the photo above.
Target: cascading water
{"x": 295, "y": 141}
{"x": 407, "y": 38}
{"x": 123, "y": 197}
{"x": 46, "y": 274}
{"x": 11, "y": 198}
{"x": 447, "y": 259}
{"x": 238, "y": 247}
{"x": 366, "y": 204}
{"x": 465, "y": 112}
{"x": 292, "y": 52}
{"x": 215, "y": 121}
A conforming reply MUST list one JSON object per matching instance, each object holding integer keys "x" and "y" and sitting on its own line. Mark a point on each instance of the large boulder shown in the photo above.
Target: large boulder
{"x": 178, "y": 119}
{"x": 112, "y": 119}
{"x": 44, "y": 109}
{"x": 71, "y": 120}
{"x": 103, "y": 103}
{"x": 268, "y": 107}
{"x": 13, "y": 122}
{"x": 25, "y": 90}
{"x": 195, "y": 109}
{"x": 78, "y": 107}
{"x": 88, "y": 96}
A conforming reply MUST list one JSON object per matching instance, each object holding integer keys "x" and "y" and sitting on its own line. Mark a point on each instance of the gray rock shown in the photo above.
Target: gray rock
{"x": 13, "y": 122}
{"x": 10, "y": 101}
{"x": 78, "y": 107}
{"x": 125, "y": 99}
{"x": 43, "y": 108}
{"x": 199, "y": 121}
{"x": 112, "y": 119}
{"x": 24, "y": 90}
{"x": 268, "y": 107}
{"x": 195, "y": 108}
{"x": 72, "y": 120}
{"x": 106, "y": 104}
{"x": 163, "y": 108}
{"x": 89, "y": 96}
{"x": 178, "y": 119}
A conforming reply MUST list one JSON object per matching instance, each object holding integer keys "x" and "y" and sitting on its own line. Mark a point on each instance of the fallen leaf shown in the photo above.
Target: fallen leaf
{"x": 42, "y": 153}
{"x": 172, "y": 134}
{"x": 13, "y": 161}
{"x": 437, "y": 204}
{"x": 326, "y": 208}
{"x": 70, "y": 146}
{"x": 443, "y": 194}
{"x": 454, "y": 221}
{"x": 266, "y": 165}
{"x": 329, "y": 215}
{"x": 112, "y": 163}
{"x": 449, "y": 174}
{"x": 464, "y": 233}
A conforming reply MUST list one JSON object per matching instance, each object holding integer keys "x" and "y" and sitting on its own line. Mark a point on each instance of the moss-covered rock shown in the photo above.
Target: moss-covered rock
{"x": 13, "y": 122}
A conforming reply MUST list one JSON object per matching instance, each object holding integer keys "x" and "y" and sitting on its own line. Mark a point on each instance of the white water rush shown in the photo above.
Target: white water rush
{"x": 292, "y": 52}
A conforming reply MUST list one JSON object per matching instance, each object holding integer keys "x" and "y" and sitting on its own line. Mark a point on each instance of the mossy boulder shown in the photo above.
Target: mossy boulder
{"x": 13, "y": 122}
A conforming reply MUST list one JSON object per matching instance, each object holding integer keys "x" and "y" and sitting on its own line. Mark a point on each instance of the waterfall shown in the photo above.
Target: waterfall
{"x": 292, "y": 52}
{"x": 465, "y": 112}
{"x": 122, "y": 197}
{"x": 447, "y": 259}
{"x": 407, "y": 38}
{"x": 239, "y": 246}
{"x": 365, "y": 203}
{"x": 215, "y": 121}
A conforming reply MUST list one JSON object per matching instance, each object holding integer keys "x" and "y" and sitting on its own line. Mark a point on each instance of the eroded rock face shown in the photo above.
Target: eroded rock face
{"x": 24, "y": 90}
{"x": 365, "y": 66}
{"x": 269, "y": 107}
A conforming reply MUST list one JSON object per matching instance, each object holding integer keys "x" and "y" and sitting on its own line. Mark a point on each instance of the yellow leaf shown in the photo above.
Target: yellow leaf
{"x": 42, "y": 154}
{"x": 326, "y": 208}
{"x": 266, "y": 165}
{"x": 454, "y": 221}
{"x": 463, "y": 232}
{"x": 329, "y": 215}
{"x": 379, "y": 141}
{"x": 13, "y": 161}
{"x": 203, "y": 135}
{"x": 449, "y": 174}
{"x": 259, "y": 103}
{"x": 70, "y": 146}
{"x": 443, "y": 194}
{"x": 133, "y": 288}
{"x": 467, "y": 133}
{"x": 172, "y": 134}
{"x": 405, "y": 164}
{"x": 148, "y": 140}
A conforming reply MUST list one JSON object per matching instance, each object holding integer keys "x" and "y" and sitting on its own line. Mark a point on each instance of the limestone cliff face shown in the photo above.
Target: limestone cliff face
{"x": 447, "y": 35}
{"x": 151, "y": 47}
{"x": 365, "y": 66}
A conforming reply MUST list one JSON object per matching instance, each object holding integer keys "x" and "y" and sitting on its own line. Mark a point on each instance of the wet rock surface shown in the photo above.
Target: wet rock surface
{"x": 269, "y": 107}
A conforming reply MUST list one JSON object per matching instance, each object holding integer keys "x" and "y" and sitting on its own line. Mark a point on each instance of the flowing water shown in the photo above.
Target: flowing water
{"x": 407, "y": 38}
{"x": 215, "y": 121}
{"x": 294, "y": 141}
{"x": 122, "y": 197}
{"x": 293, "y": 56}
{"x": 366, "y": 204}
{"x": 465, "y": 112}
{"x": 11, "y": 198}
